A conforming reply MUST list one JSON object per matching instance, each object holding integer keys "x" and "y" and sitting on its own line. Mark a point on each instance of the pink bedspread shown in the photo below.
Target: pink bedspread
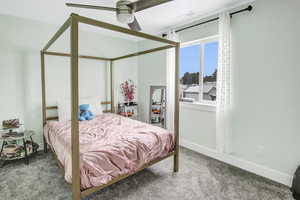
{"x": 110, "y": 146}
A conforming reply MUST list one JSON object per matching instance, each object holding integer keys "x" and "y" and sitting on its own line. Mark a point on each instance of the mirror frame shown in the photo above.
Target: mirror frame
{"x": 152, "y": 89}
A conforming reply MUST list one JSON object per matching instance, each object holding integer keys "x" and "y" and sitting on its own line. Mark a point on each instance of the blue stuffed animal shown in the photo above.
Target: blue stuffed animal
{"x": 85, "y": 113}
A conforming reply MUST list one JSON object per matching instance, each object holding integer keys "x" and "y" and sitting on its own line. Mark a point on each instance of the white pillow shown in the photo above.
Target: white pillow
{"x": 64, "y": 107}
{"x": 64, "y": 110}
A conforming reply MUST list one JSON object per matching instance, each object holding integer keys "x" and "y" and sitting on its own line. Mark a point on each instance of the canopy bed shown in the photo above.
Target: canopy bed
{"x": 76, "y": 153}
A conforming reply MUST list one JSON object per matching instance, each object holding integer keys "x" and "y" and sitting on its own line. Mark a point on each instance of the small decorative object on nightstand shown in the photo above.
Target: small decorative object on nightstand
{"x": 128, "y": 91}
{"x": 11, "y": 125}
{"x": 128, "y": 110}
{"x": 15, "y": 145}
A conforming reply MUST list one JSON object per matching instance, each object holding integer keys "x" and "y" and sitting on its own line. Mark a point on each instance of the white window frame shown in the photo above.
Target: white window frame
{"x": 202, "y": 43}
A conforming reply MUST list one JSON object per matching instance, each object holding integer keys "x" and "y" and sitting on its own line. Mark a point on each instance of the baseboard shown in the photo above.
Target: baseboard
{"x": 260, "y": 170}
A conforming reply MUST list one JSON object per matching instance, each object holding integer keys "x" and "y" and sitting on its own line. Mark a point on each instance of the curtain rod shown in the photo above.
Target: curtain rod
{"x": 249, "y": 8}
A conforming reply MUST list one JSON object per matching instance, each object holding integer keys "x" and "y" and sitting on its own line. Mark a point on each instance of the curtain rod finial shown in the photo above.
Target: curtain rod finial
{"x": 250, "y": 8}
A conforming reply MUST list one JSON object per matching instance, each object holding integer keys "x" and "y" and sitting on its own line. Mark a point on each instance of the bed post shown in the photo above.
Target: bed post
{"x": 176, "y": 110}
{"x": 43, "y": 97}
{"x": 74, "y": 109}
{"x": 112, "y": 94}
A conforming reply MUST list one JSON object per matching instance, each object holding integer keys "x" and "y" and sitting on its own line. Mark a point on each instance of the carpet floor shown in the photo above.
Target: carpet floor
{"x": 199, "y": 178}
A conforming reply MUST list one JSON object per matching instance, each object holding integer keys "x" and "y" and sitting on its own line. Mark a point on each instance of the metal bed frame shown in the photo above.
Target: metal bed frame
{"x": 73, "y": 22}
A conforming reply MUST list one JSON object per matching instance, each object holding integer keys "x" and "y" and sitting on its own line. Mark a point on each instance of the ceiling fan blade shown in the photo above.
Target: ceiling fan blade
{"x": 90, "y": 7}
{"x": 135, "y": 25}
{"x": 144, "y": 4}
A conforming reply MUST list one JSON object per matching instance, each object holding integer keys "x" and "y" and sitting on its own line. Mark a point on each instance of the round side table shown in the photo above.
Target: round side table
{"x": 17, "y": 145}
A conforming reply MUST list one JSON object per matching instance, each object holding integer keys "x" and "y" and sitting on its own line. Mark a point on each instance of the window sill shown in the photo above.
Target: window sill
{"x": 198, "y": 106}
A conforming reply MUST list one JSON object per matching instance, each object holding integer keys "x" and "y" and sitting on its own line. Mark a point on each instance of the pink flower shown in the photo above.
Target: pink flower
{"x": 128, "y": 90}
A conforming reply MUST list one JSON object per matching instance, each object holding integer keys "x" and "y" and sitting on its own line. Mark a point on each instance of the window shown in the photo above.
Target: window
{"x": 198, "y": 73}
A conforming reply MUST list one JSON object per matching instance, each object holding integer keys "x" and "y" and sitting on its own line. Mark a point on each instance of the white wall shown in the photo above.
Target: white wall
{"x": 151, "y": 71}
{"x": 20, "y": 83}
{"x": 125, "y": 69}
{"x": 266, "y": 48}
{"x": 198, "y": 32}
{"x": 197, "y": 125}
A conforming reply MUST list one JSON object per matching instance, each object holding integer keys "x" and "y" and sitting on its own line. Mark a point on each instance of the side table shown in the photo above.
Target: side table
{"x": 129, "y": 110}
{"x": 17, "y": 145}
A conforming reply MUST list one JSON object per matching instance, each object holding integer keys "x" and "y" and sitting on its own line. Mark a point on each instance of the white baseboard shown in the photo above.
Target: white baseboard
{"x": 260, "y": 170}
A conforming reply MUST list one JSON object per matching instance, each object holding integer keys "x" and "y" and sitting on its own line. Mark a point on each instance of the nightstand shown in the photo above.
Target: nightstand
{"x": 17, "y": 145}
{"x": 129, "y": 110}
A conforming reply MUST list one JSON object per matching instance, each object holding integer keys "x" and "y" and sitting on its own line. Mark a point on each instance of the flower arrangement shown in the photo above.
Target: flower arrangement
{"x": 128, "y": 90}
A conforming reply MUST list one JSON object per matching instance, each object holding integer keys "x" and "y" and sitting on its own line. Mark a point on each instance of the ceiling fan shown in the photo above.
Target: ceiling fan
{"x": 125, "y": 10}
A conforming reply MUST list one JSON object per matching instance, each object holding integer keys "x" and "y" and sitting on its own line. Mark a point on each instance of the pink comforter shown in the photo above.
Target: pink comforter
{"x": 110, "y": 146}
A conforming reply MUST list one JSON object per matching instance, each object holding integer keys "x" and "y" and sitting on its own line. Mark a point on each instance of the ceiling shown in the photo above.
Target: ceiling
{"x": 153, "y": 20}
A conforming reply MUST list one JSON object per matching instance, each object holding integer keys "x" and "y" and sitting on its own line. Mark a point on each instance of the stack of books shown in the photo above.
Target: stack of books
{"x": 12, "y": 134}
{"x": 12, "y": 151}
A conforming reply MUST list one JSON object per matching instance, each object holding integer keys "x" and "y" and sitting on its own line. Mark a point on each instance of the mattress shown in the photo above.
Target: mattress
{"x": 110, "y": 146}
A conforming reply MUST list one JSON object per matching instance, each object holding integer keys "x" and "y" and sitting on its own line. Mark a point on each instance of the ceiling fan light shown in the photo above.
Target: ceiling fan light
{"x": 125, "y": 18}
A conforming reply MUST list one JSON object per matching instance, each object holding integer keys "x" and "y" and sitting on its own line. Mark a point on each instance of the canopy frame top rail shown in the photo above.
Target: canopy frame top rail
{"x": 104, "y": 25}
{"x": 52, "y": 53}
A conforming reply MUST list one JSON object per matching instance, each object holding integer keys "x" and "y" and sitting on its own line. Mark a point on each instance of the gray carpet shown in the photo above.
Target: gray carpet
{"x": 200, "y": 178}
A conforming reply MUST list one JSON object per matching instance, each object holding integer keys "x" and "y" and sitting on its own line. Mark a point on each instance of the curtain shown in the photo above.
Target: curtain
{"x": 224, "y": 91}
{"x": 170, "y": 73}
